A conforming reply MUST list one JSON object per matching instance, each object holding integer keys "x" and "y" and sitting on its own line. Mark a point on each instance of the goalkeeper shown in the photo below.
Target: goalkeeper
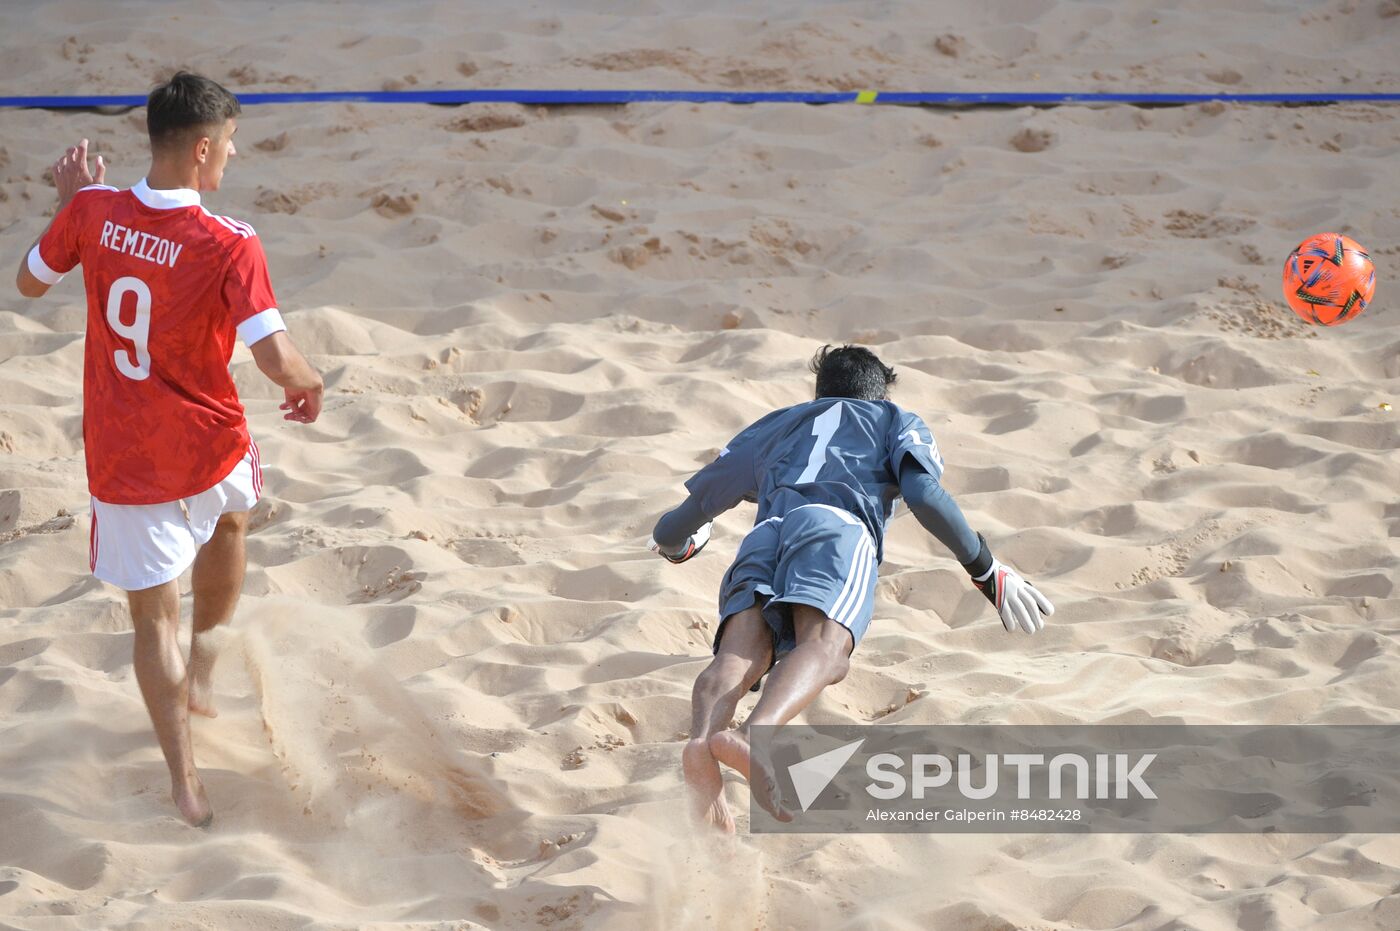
{"x": 801, "y": 590}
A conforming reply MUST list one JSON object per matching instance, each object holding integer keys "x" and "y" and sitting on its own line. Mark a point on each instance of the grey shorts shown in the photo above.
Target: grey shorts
{"x": 814, "y": 555}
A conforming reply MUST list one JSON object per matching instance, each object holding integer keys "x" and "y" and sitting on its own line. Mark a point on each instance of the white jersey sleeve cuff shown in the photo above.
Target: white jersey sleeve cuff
{"x": 40, "y": 269}
{"x": 260, "y": 326}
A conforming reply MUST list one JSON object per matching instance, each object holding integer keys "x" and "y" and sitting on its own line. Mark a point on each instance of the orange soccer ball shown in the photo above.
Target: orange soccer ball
{"x": 1328, "y": 279}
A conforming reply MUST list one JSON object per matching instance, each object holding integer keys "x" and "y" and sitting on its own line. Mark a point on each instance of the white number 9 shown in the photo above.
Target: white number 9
{"x": 138, "y": 331}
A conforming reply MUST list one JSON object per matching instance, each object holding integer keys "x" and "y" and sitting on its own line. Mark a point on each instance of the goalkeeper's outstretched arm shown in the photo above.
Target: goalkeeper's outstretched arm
{"x": 937, "y": 512}
{"x": 1018, "y": 602}
{"x": 682, "y": 532}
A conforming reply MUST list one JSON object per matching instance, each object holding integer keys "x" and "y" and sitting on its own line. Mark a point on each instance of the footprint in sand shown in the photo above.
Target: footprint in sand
{"x": 1032, "y": 140}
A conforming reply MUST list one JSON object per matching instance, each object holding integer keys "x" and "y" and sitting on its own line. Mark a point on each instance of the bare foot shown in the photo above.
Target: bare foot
{"x": 202, "y": 697}
{"x": 763, "y": 783}
{"x": 732, "y": 749}
{"x": 193, "y": 803}
{"x": 706, "y": 785}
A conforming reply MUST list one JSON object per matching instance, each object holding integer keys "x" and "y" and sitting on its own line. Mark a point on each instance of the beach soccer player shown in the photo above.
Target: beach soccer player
{"x": 171, "y": 468}
{"x": 800, "y": 592}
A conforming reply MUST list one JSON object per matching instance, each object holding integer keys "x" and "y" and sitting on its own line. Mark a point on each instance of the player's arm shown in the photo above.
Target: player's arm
{"x": 936, "y": 511}
{"x": 70, "y": 175}
{"x": 1020, "y": 604}
{"x": 280, "y": 360}
{"x": 250, "y": 299}
{"x": 27, "y": 283}
{"x": 682, "y": 532}
{"x": 916, "y": 461}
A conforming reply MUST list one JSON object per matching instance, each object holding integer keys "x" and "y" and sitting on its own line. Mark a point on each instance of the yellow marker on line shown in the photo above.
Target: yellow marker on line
{"x": 867, "y": 96}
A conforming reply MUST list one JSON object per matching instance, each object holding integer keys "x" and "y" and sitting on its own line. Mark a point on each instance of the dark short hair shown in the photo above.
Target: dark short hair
{"x": 187, "y": 102}
{"x": 851, "y": 372}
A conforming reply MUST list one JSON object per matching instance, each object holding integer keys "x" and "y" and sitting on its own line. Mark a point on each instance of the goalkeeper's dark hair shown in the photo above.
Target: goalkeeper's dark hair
{"x": 851, "y": 372}
{"x": 188, "y": 103}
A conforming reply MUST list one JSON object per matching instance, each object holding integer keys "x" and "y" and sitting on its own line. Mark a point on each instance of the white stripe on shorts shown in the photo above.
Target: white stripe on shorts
{"x": 858, "y": 594}
{"x": 257, "y": 468}
{"x": 92, "y": 543}
{"x": 853, "y": 593}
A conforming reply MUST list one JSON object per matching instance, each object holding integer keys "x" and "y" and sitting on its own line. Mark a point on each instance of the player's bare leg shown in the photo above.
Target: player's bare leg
{"x": 160, "y": 671}
{"x": 217, "y": 580}
{"x": 744, "y": 654}
{"x": 821, "y": 658}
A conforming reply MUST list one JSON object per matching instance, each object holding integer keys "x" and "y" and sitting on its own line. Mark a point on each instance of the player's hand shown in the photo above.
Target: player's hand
{"x": 71, "y": 174}
{"x": 1020, "y": 604}
{"x": 690, "y": 549}
{"x": 303, "y": 405}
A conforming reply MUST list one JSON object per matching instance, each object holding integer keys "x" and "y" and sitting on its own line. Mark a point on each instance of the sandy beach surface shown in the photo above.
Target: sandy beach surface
{"x": 458, "y": 684}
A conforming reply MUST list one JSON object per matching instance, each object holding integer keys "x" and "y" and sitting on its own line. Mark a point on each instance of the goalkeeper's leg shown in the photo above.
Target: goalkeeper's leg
{"x": 821, "y": 658}
{"x": 743, "y": 655}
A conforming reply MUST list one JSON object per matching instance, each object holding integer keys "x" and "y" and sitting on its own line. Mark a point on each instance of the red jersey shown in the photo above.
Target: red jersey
{"x": 170, "y": 286}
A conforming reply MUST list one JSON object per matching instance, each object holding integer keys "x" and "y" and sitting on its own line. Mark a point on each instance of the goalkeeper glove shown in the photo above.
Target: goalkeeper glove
{"x": 1019, "y": 603}
{"x": 690, "y": 549}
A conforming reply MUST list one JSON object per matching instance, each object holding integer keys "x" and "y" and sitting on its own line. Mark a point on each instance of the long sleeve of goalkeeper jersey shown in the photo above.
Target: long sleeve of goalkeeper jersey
{"x": 937, "y": 512}
{"x": 676, "y": 525}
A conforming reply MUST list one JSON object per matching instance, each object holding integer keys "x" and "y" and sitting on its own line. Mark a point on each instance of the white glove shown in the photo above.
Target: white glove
{"x": 1018, "y": 602}
{"x": 691, "y": 548}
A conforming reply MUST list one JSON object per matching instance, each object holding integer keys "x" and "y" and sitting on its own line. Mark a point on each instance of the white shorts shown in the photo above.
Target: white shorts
{"x": 136, "y": 546}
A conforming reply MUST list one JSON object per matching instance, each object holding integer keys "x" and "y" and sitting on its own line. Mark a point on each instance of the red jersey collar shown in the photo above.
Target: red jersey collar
{"x": 164, "y": 200}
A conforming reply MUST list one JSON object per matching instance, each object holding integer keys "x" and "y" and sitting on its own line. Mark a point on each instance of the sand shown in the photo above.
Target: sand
{"x": 457, "y": 686}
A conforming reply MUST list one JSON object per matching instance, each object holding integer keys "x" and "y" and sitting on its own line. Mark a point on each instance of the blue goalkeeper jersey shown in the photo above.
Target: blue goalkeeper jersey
{"x": 835, "y": 451}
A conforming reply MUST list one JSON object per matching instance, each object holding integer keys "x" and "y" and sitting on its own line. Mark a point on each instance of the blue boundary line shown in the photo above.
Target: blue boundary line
{"x": 548, "y": 97}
